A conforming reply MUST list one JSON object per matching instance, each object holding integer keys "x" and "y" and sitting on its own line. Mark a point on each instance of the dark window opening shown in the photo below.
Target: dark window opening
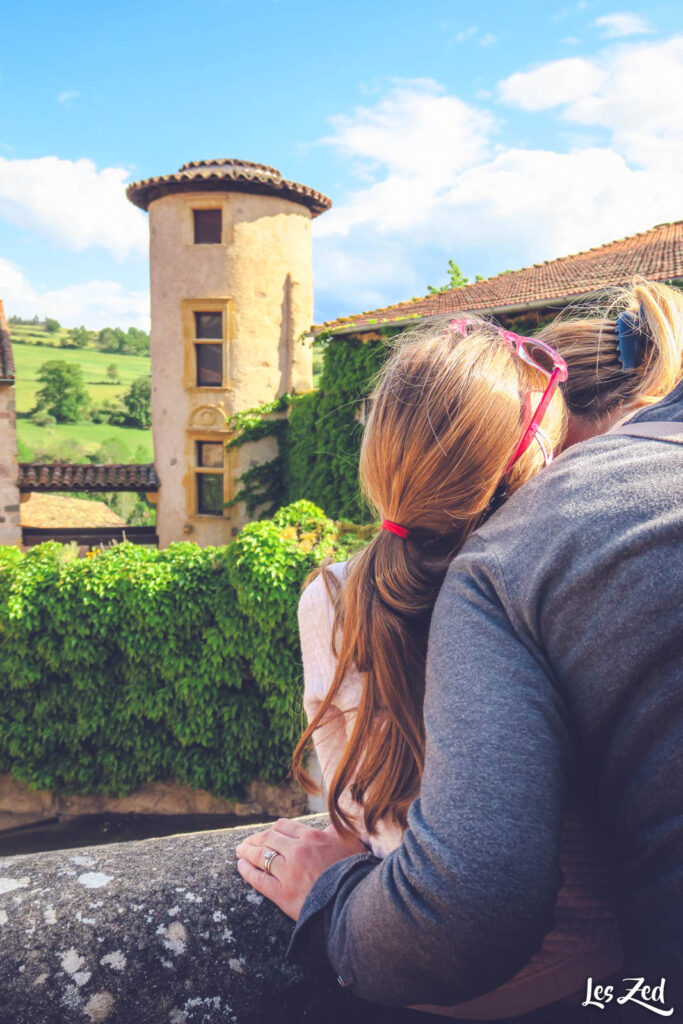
{"x": 210, "y": 494}
{"x": 209, "y": 366}
{"x": 207, "y": 227}
{"x": 208, "y": 325}
{"x": 210, "y": 454}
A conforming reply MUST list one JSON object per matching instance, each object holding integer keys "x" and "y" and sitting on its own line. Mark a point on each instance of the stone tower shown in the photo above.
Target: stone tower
{"x": 232, "y": 294}
{"x": 10, "y": 524}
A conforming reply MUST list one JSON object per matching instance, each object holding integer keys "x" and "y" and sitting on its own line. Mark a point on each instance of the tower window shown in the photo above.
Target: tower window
{"x": 209, "y": 494}
{"x": 209, "y": 366}
{"x": 210, "y": 454}
{"x": 207, "y": 227}
{"x": 208, "y": 325}
{"x": 209, "y": 478}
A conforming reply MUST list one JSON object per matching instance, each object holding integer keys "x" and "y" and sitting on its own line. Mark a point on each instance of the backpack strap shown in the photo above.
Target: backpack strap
{"x": 659, "y": 430}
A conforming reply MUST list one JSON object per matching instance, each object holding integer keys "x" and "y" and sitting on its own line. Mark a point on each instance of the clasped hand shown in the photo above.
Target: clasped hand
{"x": 302, "y": 854}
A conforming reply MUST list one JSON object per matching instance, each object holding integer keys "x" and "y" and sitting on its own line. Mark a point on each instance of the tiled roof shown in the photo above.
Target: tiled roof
{"x": 42, "y": 511}
{"x": 6, "y": 357}
{"x": 63, "y": 476}
{"x": 656, "y": 254}
{"x": 226, "y": 175}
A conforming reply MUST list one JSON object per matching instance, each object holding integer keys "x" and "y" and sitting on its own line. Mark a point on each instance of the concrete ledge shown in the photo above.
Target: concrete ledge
{"x": 162, "y": 930}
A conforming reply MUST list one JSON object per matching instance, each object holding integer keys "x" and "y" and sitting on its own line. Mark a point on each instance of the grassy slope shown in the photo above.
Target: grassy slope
{"x": 29, "y": 358}
{"x": 32, "y": 346}
{"x": 89, "y": 436}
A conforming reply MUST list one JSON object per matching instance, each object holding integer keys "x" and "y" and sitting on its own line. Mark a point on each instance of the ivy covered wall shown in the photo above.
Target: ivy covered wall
{"x": 318, "y": 434}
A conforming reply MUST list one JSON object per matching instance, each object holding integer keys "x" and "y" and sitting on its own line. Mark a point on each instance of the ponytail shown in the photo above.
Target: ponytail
{"x": 601, "y": 380}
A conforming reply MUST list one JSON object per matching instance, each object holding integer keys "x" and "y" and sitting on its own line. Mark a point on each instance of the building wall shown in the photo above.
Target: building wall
{"x": 261, "y": 277}
{"x": 10, "y": 524}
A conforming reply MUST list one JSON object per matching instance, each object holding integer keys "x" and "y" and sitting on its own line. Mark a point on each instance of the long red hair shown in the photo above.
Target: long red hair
{"x": 446, "y": 414}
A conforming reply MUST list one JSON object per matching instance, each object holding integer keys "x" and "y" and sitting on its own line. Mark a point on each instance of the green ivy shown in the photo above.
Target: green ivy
{"x": 137, "y": 665}
{"x": 317, "y": 434}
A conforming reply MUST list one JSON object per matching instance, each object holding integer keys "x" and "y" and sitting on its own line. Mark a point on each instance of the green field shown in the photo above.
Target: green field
{"x": 32, "y": 346}
{"x": 29, "y": 357}
{"x": 72, "y": 442}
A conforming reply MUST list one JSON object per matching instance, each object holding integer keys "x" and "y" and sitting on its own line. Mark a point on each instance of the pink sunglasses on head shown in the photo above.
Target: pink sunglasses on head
{"x": 531, "y": 351}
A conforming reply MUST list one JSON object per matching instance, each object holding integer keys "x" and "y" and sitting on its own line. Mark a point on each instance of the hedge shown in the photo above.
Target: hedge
{"x": 137, "y": 665}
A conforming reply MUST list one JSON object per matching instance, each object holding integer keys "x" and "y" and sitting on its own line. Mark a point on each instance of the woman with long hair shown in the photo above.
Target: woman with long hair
{"x": 462, "y": 415}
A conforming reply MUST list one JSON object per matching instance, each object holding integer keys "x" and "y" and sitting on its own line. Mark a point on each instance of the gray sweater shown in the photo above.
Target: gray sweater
{"x": 553, "y": 672}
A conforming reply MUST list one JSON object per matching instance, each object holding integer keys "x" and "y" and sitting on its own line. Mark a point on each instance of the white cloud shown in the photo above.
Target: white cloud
{"x": 72, "y": 203}
{"x": 631, "y": 91}
{"x": 465, "y": 34}
{"x": 416, "y": 129}
{"x": 560, "y": 82}
{"x": 488, "y": 39}
{"x": 617, "y": 25}
{"x": 437, "y": 187}
{"x": 96, "y": 304}
{"x": 68, "y": 95}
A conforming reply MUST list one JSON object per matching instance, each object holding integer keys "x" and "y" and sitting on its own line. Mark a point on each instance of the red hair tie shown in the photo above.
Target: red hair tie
{"x": 395, "y": 528}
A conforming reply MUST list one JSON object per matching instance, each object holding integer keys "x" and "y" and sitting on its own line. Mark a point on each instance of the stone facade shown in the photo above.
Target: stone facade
{"x": 259, "y": 278}
{"x": 10, "y": 521}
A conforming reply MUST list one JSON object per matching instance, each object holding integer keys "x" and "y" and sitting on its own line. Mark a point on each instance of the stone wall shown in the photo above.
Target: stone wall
{"x": 163, "y": 930}
{"x": 10, "y": 522}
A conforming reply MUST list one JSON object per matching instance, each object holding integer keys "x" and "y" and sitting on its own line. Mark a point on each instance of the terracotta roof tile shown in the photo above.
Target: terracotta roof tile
{"x": 656, "y": 254}
{"x": 63, "y": 476}
{"x": 43, "y": 511}
{"x": 226, "y": 175}
{"x": 6, "y": 357}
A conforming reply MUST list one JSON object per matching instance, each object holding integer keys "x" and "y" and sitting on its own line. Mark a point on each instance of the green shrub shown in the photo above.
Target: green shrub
{"x": 136, "y": 664}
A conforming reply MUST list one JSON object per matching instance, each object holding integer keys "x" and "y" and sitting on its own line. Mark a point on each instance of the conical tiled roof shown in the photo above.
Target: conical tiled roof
{"x": 227, "y": 175}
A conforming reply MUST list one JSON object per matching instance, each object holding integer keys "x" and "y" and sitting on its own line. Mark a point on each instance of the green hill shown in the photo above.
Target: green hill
{"x": 33, "y": 345}
{"x": 29, "y": 357}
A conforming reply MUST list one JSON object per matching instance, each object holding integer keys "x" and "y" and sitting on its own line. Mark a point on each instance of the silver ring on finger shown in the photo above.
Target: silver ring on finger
{"x": 268, "y": 858}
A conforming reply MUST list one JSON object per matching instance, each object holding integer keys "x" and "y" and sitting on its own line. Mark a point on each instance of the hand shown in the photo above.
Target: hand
{"x": 303, "y": 853}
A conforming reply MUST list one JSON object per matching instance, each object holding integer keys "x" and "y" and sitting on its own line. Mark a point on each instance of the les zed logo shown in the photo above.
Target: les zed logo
{"x": 640, "y": 994}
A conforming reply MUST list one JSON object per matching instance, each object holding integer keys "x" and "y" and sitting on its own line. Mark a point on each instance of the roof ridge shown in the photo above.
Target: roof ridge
{"x": 562, "y": 277}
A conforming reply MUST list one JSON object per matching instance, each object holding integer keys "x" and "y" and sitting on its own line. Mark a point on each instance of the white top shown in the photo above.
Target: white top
{"x": 316, "y": 621}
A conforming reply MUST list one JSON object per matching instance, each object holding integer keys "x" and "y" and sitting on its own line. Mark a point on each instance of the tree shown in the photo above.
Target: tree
{"x": 113, "y": 372}
{"x": 63, "y": 394}
{"x": 51, "y": 326}
{"x": 107, "y": 340}
{"x": 138, "y": 401}
{"x": 78, "y": 337}
{"x": 456, "y": 279}
{"x": 137, "y": 342}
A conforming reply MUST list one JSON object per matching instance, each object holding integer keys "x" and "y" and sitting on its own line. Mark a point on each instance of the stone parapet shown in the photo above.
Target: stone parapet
{"x": 163, "y": 931}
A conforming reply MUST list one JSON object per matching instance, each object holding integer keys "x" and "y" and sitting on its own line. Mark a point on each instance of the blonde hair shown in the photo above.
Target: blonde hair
{"x": 586, "y": 337}
{"x": 447, "y": 413}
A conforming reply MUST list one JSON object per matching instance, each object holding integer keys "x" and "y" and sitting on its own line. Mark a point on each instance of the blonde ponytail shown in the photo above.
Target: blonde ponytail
{"x": 598, "y": 384}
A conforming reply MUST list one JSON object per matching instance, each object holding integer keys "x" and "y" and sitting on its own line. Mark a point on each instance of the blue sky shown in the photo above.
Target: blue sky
{"x": 494, "y": 134}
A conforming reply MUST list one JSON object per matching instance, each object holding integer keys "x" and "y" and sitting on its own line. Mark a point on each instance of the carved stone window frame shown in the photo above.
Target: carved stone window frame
{"x": 189, "y": 307}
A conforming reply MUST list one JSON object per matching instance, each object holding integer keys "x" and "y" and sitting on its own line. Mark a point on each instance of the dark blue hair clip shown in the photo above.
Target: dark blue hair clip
{"x": 630, "y": 342}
